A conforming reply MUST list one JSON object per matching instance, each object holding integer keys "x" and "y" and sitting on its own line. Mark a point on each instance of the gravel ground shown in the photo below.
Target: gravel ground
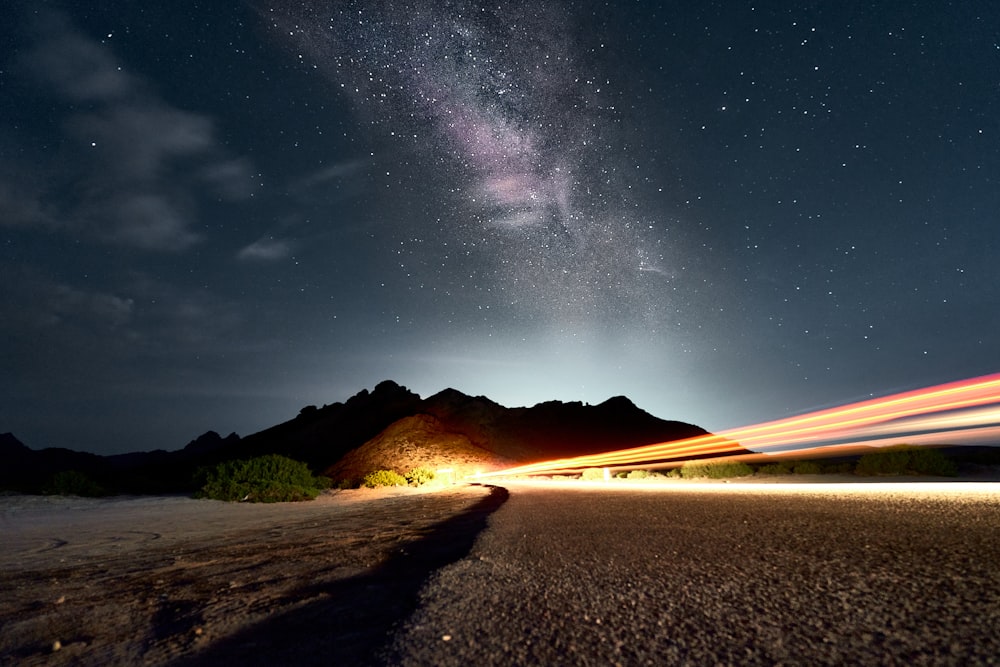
{"x": 741, "y": 575}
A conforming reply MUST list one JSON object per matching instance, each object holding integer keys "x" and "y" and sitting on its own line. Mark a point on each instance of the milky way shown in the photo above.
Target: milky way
{"x": 212, "y": 215}
{"x": 517, "y": 131}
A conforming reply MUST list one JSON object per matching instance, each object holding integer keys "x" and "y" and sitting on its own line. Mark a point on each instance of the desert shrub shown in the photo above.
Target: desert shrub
{"x": 592, "y": 474}
{"x": 419, "y": 476}
{"x": 621, "y": 475}
{"x": 693, "y": 470}
{"x": 906, "y": 460}
{"x": 890, "y": 461}
{"x": 74, "y": 483}
{"x": 774, "y": 469}
{"x": 345, "y": 484}
{"x": 715, "y": 469}
{"x": 842, "y": 468}
{"x": 723, "y": 470}
{"x": 932, "y": 462}
{"x": 265, "y": 479}
{"x": 637, "y": 474}
{"x": 379, "y": 478}
{"x": 674, "y": 473}
{"x": 806, "y": 468}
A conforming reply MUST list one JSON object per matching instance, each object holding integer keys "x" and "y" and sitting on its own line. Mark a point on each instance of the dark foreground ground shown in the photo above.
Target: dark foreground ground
{"x": 176, "y": 581}
{"x": 556, "y": 574}
{"x": 720, "y": 575}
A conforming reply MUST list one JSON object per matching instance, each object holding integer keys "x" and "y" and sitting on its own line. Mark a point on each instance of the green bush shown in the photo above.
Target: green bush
{"x": 674, "y": 473}
{"x": 774, "y": 469}
{"x": 637, "y": 474}
{"x": 906, "y": 460}
{"x": 74, "y": 483}
{"x": 419, "y": 476}
{"x": 266, "y": 479}
{"x": 592, "y": 474}
{"x": 926, "y": 461}
{"x": 379, "y": 478}
{"x": 892, "y": 461}
{"x": 806, "y": 468}
{"x": 843, "y": 468}
{"x": 715, "y": 469}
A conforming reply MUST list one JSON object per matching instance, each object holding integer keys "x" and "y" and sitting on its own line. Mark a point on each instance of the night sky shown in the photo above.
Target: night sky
{"x": 212, "y": 216}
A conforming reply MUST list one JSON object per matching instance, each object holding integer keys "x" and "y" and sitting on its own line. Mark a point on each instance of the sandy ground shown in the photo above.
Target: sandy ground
{"x": 158, "y": 580}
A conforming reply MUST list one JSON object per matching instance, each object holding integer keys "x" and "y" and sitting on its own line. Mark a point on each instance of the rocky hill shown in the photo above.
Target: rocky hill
{"x": 388, "y": 427}
{"x": 418, "y": 441}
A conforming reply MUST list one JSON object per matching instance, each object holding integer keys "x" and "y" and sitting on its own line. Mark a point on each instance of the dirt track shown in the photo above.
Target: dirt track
{"x": 153, "y": 581}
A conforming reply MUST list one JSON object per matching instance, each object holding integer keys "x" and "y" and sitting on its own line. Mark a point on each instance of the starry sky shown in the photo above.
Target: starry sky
{"x": 730, "y": 212}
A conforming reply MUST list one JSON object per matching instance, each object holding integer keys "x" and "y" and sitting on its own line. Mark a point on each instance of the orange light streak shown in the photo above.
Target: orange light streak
{"x": 880, "y": 416}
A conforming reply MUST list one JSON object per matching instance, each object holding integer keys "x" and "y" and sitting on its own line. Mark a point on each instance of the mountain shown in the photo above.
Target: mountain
{"x": 25, "y": 469}
{"x": 321, "y": 436}
{"x": 554, "y": 429}
{"x": 465, "y": 433}
{"x": 388, "y": 427}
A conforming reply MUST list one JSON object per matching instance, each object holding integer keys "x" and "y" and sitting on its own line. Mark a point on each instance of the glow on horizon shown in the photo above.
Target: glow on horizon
{"x": 972, "y": 410}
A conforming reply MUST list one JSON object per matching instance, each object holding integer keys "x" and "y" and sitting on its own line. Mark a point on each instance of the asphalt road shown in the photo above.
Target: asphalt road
{"x": 764, "y": 576}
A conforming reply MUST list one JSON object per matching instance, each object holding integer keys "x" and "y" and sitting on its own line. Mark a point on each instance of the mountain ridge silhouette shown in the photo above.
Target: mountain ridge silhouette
{"x": 323, "y": 436}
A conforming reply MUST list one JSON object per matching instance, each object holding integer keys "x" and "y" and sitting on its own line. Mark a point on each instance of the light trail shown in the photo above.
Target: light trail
{"x": 989, "y": 491}
{"x": 972, "y": 407}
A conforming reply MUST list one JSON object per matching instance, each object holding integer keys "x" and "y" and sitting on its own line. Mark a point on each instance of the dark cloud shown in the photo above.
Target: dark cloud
{"x": 138, "y": 165}
{"x": 266, "y": 249}
{"x": 76, "y": 67}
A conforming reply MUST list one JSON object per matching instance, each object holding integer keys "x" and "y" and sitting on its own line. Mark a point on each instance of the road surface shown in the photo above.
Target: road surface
{"x": 764, "y": 575}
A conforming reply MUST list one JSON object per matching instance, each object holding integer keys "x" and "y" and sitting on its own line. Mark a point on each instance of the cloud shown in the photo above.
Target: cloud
{"x": 137, "y": 140}
{"x": 231, "y": 180}
{"x": 78, "y": 68}
{"x": 130, "y": 168}
{"x": 61, "y": 335}
{"x": 173, "y": 318}
{"x": 148, "y": 221}
{"x": 102, "y": 310}
{"x": 266, "y": 249}
{"x": 19, "y": 205}
{"x": 42, "y": 306}
{"x": 337, "y": 172}
{"x": 151, "y": 315}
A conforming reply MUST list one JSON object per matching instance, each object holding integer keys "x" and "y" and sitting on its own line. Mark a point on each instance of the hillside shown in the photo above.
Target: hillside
{"x": 418, "y": 441}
